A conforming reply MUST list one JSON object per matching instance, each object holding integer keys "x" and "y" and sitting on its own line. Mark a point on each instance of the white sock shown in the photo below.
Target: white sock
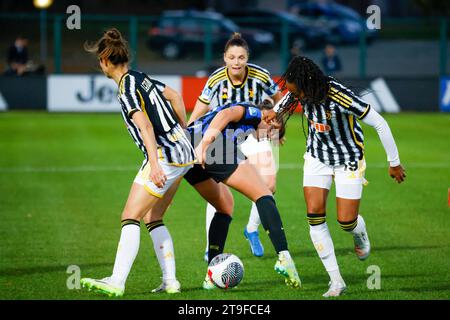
{"x": 253, "y": 221}
{"x": 126, "y": 253}
{"x": 163, "y": 245}
{"x": 321, "y": 238}
{"x": 285, "y": 254}
{"x": 210, "y": 212}
{"x": 360, "y": 227}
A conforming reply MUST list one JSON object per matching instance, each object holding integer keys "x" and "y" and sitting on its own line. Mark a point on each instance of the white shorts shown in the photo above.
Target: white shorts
{"x": 261, "y": 155}
{"x": 172, "y": 173}
{"x": 251, "y": 145}
{"x": 349, "y": 178}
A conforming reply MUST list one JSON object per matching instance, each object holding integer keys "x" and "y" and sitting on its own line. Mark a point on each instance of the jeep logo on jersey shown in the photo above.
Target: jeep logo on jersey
{"x": 320, "y": 127}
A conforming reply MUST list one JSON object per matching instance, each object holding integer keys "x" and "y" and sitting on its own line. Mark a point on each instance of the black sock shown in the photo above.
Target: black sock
{"x": 217, "y": 235}
{"x": 271, "y": 221}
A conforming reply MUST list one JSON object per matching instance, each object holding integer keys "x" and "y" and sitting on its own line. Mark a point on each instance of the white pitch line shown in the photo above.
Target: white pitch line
{"x": 69, "y": 169}
{"x": 283, "y": 166}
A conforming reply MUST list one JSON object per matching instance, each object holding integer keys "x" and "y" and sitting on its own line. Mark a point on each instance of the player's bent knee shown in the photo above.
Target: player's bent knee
{"x": 134, "y": 212}
{"x": 316, "y": 208}
{"x": 227, "y": 201}
{"x": 222, "y": 204}
{"x": 225, "y": 210}
{"x": 130, "y": 215}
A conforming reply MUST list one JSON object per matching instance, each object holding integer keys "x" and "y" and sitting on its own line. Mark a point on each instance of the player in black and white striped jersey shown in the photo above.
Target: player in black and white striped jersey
{"x": 335, "y": 151}
{"x": 138, "y": 92}
{"x": 240, "y": 81}
{"x": 154, "y": 115}
{"x": 220, "y": 88}
{"x": 334, "y": 135}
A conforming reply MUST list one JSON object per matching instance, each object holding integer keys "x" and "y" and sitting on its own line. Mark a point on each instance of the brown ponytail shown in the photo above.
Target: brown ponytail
{"x": 111, "y": 46}
{"x": 266, "y": 104}
{"x": 237, "y": 40}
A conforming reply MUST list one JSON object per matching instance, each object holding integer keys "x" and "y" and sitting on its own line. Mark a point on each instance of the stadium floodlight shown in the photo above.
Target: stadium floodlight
{"x": 42, "y": 4}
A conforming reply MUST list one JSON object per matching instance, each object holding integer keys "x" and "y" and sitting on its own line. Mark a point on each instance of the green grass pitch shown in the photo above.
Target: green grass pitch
{"x": 64, "y": 179}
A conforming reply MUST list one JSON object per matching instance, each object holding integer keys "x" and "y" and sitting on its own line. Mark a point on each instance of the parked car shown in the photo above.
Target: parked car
{"x": 304, "y": 32}
{"x": 179, "y": 32}
{"x": 346, "y": 23}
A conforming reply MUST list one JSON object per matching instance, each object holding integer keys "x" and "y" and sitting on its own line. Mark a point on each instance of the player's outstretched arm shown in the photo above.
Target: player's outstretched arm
{"x": 200, "y": 109}
{"x": 375, "y": 120}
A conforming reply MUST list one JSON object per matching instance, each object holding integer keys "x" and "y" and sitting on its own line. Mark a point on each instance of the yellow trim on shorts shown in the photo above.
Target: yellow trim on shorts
{"x": 160, "y": 153}
{"x": 153, "y": 193}
{"x": 181, "y": 164}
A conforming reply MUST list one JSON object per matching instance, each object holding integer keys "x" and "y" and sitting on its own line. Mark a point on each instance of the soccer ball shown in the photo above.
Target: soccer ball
{"x": 226, "y": 270}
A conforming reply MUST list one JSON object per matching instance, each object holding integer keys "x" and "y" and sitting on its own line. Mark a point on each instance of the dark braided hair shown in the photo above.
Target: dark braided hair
{"x": 309, "y": 80}
{"x": 312, "y": 85}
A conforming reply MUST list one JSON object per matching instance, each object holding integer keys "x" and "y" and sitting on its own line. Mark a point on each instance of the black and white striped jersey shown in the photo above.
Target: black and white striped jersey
{"x": 220, "y": 90}
{"x": 138, "y": 92}
{"x": 334, "y": 134}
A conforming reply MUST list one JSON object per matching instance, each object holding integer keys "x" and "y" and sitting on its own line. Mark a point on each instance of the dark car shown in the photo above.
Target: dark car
{"x": 179, "y": 32}
{"x": 305, "y": 32}
{"x": 346, "y": 23}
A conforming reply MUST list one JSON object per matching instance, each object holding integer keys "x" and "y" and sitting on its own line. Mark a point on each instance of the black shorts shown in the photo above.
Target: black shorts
{"x": 218, "y": 172}
{"x": 225, "y": 152}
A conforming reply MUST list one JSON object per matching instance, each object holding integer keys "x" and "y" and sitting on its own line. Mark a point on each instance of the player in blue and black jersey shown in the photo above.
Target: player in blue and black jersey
{"x": 216, "y": 137}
